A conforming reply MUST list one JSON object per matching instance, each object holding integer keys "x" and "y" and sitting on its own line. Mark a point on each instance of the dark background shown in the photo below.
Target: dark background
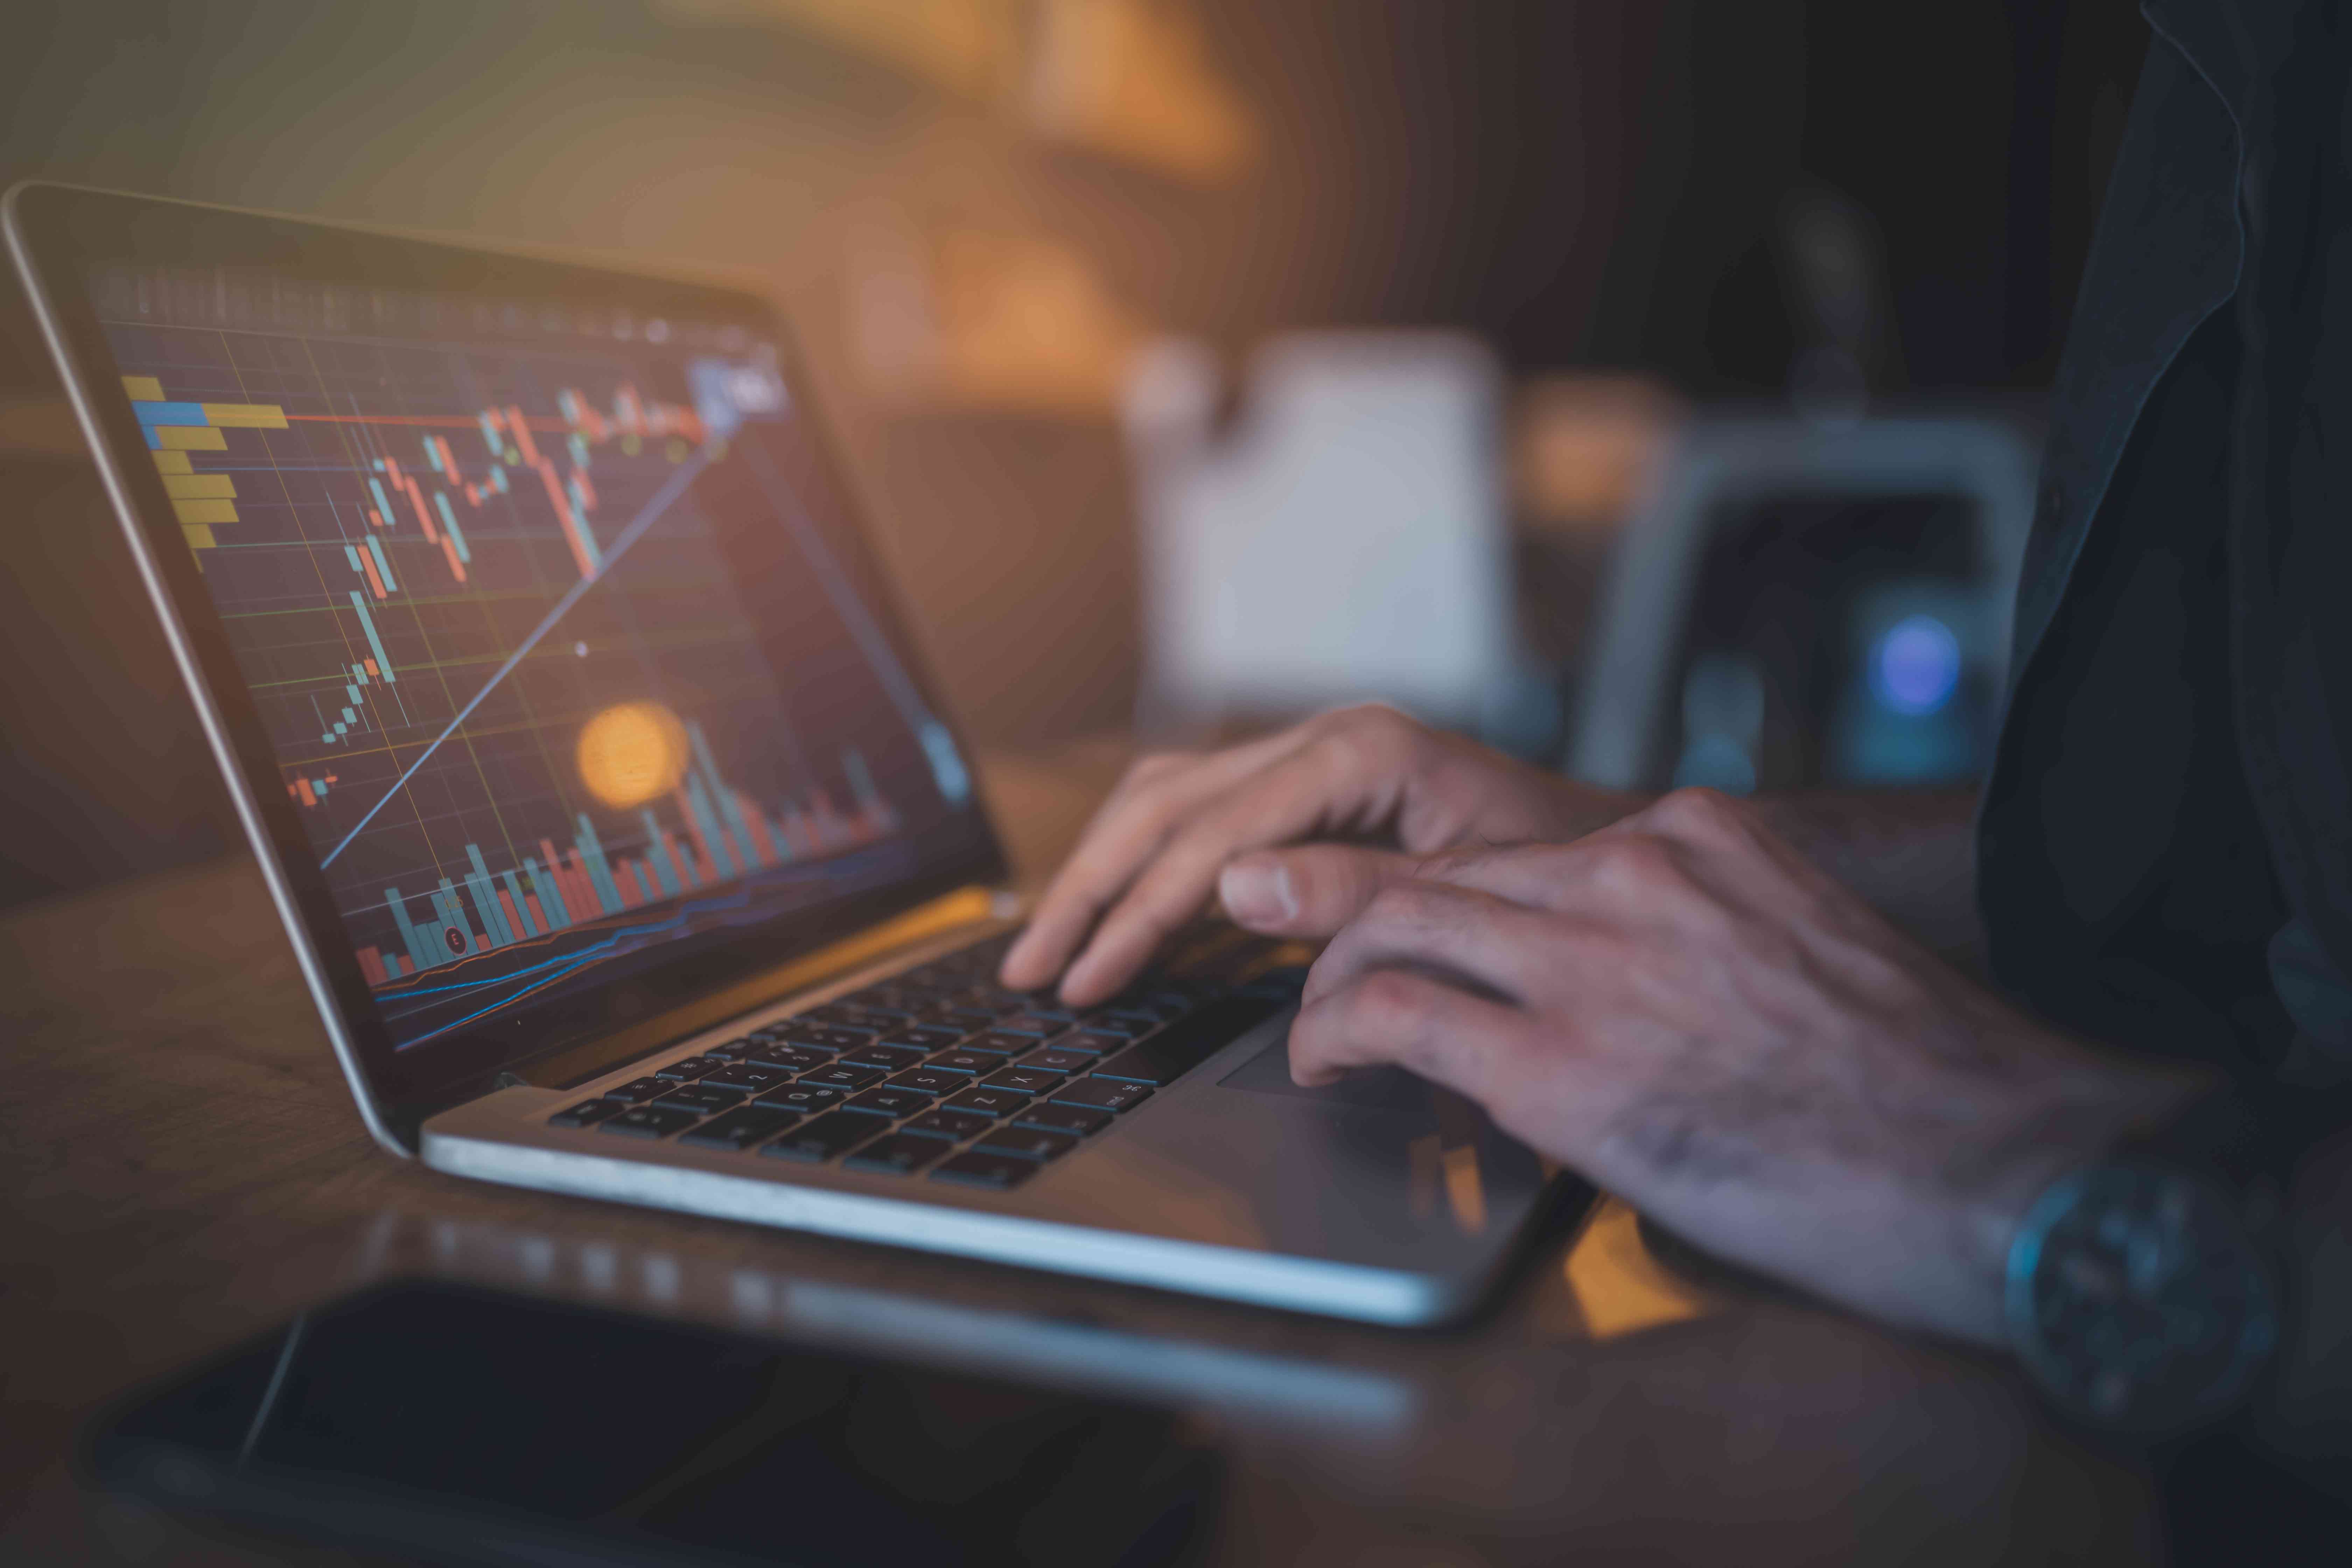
{"x": 1591, "y": 185}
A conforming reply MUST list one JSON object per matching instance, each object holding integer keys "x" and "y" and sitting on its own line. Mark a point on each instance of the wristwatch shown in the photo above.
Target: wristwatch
{"x": 2139, "y": 1298}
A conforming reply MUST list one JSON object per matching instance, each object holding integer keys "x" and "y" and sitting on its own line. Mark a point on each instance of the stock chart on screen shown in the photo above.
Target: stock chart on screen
{"x": 483, "y": 566}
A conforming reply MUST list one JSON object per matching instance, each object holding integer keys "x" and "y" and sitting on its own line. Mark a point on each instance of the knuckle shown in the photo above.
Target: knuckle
{"x": 1364, "y": 716}
{"x": 1637, "y": 861}
{"x": 1373, "y": 725}
{"x": 1356, "y": 751}
{"x": 1399, "y": 1002}
{"x": 1401, "y": 903}
{"x": 1702, "y": 813}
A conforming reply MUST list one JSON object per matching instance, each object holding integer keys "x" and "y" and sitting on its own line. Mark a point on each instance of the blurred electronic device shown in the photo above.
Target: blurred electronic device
{"x": 468, "y": 1427}
{"x": 1344, "y": 542}
{"x": 1802, "y": 604}
{"x": 622, "y": 841}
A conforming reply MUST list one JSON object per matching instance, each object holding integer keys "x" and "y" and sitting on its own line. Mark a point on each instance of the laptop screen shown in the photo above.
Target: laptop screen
{"x": 569, "y": 655}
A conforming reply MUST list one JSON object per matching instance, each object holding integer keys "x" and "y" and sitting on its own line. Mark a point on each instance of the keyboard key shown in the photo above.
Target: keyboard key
{"x": 989, "y": 998}
{"x": 848, "y": 1017}
{"x": 1076, "y": 1119}
{"x": 840, "y": 1076}
{"x": 1146, "y": 1018}
{"x": 977, "y": 1170}
{"x": 931, "y": 1080}
{"x": 1036, "y": 1023}
{"x": 739, "y": 1129}
{"x": 1179, "y": 1049}
{"x": 1100, "y": 1093}
{"x": 989, "y": 1102}
{"x": 1003, "y": 1043}
{"x": 897, "y": 1156}
{"x": 963, "y": 1020}
{"x": 701, "y": 1100}
{"x": 967, "y": 1061}
{"x": 925, "y": 1039}
{"x": 805, "y": 1099}
{"x": 1088, "y": 1040}
{"x": 638, "y": 1091}
{"x": 1028, "y": 1142}
{"x": 690, "y": 1068}
{"x": 1027, "y": 1081}
{"x": 889, "y": 1058}
{"x": 1119, "y": 1028}
{"x": 953, "y": 1125}
{"x": 890, "y": 996}
{"x": 734, "y": 1050}
{"x": 785, "y": 1058}
{"x": 1060, "y": 1060}
{"x": 649, "y": 1121}
{"x": 750, "y": 1080}
{"x": 587, "y": 1113}
{"x": 1151, "y": 998}
{"x": 825, "y": 1137}
{"x": 889, "y": 1102}
{"x": 825, "y": 1036}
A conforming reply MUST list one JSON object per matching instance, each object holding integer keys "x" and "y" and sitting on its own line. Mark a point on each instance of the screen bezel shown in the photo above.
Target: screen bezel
{"x": 60, "y": 235}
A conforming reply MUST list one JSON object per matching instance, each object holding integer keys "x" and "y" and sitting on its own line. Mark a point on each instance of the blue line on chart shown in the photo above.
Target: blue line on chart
{"x": 738, "y": 901}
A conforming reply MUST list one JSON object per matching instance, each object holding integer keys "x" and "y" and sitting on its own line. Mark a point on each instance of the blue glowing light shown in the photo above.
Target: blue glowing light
{"x": 1916, "y": 666}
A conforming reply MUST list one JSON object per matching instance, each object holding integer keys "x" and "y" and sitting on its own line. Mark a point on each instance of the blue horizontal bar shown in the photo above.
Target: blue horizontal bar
{"x": 170, "y": 413}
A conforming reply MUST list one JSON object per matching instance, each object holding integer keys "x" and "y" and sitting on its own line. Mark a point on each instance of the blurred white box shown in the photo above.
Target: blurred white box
{"x": 1344, "y": 540}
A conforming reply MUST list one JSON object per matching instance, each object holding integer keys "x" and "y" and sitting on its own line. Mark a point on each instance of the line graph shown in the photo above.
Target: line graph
{"x": 644, "y": 520}
{"x": 489, "y": 589}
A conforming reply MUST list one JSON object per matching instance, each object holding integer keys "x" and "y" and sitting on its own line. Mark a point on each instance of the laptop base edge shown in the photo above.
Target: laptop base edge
{"x": 1316, "y": 1287}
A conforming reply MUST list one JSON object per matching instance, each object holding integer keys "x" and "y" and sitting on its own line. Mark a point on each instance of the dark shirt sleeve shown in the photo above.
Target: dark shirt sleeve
{"x": 2166, "y": 839}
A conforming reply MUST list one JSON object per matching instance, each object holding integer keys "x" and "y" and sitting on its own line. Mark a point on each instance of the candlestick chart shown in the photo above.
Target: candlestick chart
{"x": 495, "y": 605}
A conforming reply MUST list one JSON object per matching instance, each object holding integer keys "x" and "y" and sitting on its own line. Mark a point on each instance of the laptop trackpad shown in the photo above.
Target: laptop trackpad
{"x": 1376, "y": 1089}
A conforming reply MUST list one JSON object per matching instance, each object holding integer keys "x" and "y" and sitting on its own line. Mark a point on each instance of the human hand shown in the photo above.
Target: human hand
{"x": 1152, "y": 856}
{"x": 1685, "y": 1010}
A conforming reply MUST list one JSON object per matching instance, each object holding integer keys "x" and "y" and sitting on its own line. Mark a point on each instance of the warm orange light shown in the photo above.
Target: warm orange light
{"x": 632, "y": 752}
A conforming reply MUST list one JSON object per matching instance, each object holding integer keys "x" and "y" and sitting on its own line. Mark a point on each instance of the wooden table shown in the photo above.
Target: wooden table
{"x": 185, "y": 1170}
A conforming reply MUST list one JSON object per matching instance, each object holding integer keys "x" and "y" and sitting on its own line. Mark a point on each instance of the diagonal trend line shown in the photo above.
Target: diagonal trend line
{"x": 879, "y": 655}
{"x": 672, "y": 488}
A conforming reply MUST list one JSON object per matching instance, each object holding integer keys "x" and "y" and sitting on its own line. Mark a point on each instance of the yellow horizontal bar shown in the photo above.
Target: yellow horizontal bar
{"x": 246, "y": 416}
{"x": 206, "y": 510}
{"x": 200, "y": 535}
{"x": 144, "y": 388}
{"x": 191, "y": 438}
{"x": 190, "y": 487}
{"x": 172, "y": 462}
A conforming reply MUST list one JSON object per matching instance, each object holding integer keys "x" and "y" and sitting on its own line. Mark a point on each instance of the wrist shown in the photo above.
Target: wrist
{"x": 2083, "y": 1113}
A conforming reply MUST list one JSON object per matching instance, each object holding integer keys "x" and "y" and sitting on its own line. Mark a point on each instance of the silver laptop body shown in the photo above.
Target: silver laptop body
{"x": 575, "y": 730}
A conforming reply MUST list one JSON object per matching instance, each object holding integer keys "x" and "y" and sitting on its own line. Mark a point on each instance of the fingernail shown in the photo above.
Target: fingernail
{"x": 1258, "y": 894}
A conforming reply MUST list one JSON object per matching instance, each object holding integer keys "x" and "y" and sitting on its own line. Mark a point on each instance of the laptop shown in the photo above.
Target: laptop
{"x": 625, "y": 843}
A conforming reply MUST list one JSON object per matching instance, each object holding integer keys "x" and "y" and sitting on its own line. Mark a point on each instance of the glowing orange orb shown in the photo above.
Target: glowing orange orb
{"x": 632, "y": 752}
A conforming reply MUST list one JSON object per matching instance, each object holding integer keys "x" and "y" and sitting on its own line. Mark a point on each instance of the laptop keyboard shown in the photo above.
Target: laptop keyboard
{"x": 939, "y": 1073}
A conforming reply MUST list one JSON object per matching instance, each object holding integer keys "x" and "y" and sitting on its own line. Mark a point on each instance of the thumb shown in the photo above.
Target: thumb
{"x": 1310, "y": 891}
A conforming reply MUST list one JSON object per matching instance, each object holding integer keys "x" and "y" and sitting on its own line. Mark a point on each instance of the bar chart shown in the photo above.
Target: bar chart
{"x": 489, "y": 600}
